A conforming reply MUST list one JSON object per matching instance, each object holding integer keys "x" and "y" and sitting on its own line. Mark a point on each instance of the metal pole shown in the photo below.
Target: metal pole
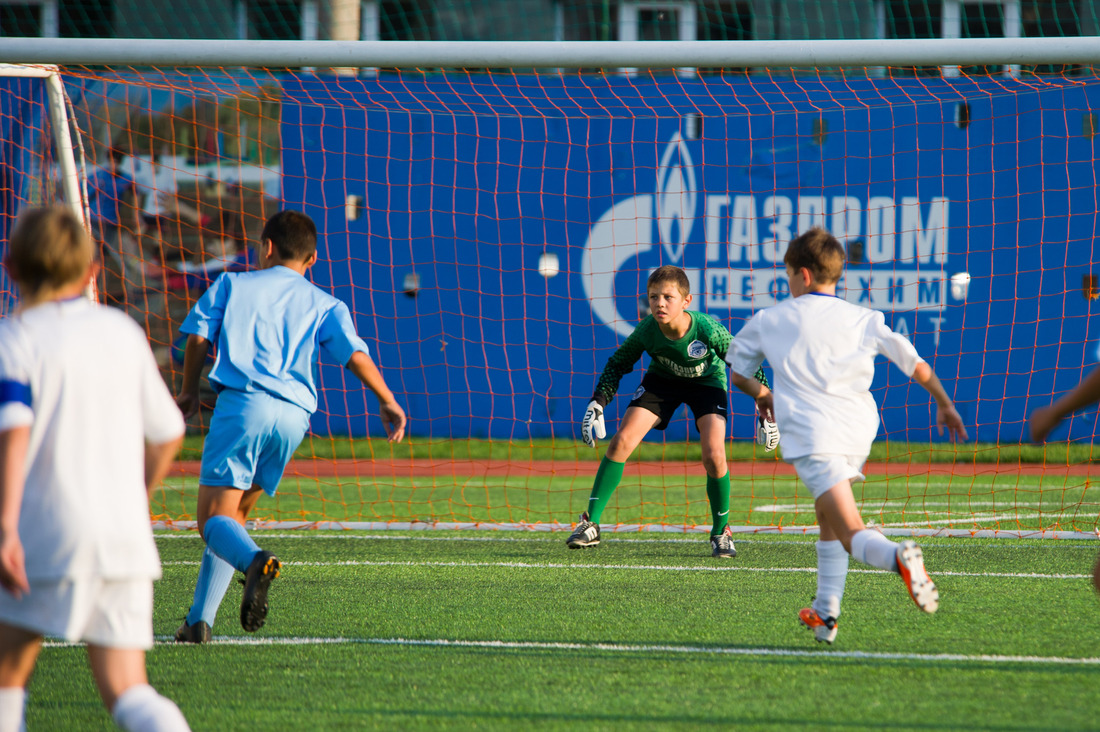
{"x": 548, "y": 54}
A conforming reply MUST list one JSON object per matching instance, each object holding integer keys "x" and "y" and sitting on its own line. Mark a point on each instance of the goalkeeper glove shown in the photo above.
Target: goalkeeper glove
{"x": 592, "y": 424}
{"x": 767, "y": 432}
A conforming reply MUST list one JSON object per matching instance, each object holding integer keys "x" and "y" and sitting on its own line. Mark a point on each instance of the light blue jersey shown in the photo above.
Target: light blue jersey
{"x": 266, "y": 327}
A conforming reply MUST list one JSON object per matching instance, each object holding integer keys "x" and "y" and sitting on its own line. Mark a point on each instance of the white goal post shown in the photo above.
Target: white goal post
{"x": 62, "y": 132}
{"x": 554, "y": 54}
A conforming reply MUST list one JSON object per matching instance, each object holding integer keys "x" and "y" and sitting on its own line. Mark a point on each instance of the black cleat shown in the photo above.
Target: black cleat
{"x": 585, "y": 535}
{"x": 198, "y": 633}
{"x": 722, "y": 544}
{"x": 257, "y": 580}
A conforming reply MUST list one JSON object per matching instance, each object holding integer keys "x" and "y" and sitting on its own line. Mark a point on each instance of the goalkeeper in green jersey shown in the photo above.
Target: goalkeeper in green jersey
{"x": 688, "y": 351}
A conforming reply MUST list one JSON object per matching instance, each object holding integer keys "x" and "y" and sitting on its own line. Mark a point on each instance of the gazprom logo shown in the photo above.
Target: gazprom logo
{"x": 898, "y": 247}
{"x": 626, "y": 230}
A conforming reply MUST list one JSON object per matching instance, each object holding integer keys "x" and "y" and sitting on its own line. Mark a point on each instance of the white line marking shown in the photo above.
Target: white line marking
{"x": 823, "y": 655}
{"x": 635, "y": 568}
{"x": 961, "y": 520}
{"x": 915, "y": 504}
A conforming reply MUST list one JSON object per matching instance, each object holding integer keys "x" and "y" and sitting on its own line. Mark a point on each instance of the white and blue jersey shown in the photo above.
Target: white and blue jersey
{"x": 82, "y": 377}
{"x": 267, "y": 327}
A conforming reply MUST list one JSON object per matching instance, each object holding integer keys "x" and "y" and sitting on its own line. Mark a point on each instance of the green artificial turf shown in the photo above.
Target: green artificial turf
{"x": 510, "y": 630}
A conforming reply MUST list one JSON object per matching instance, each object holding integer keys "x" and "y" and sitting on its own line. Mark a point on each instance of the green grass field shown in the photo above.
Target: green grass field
{"x": 511, "y": 630}
{"x": 1003, "y": 500}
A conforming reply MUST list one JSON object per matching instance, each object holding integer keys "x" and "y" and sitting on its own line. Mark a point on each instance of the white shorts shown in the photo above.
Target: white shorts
{"x": 822, "y": 472}
{"x": 109, "y": 613}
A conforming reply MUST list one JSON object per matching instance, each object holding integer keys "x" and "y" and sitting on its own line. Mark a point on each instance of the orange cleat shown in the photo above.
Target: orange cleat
{"x": 824, "y": 628}
{"x": 921, "y": 587}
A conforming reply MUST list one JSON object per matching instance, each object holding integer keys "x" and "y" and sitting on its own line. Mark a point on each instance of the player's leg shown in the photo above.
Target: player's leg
{"x": 288, "y": 425}
{"x": 636, "y": 423}
{"x": 829, "y": 476}
{"x": 712, "y": 439}
{"x": 634, "y": 426}
{"x": 226, "y": 473}
{"x": 1096, "y": 575}
{"x": 837, "y": 509}
{"x": 18, "y": 652}
{"x": 124, "y": 687}
{"x": 216, "y": 573}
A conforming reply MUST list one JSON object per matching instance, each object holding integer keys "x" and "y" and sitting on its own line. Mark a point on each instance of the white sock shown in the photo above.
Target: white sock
{"x": 871, "y": 547}
{"x": 12, "y": 700}
{"x": 142, "y": 709}
{"x": 832, "y": 570}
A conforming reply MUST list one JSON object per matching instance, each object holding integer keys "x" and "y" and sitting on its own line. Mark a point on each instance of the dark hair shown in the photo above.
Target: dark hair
{"x": 293, "y": 233}
{"x": 818, "y": 251}
{"x": 670, "y": 273}
{"x": 49, "y": 248}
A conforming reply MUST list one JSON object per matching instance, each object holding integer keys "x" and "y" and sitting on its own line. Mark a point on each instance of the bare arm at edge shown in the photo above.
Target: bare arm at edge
{"x": 393, "y": 416}
{"x": 946, "y": 414}
{"x": 13, "y": 455}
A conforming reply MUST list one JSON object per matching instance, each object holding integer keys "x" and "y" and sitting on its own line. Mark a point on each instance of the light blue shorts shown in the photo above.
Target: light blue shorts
{"x": 251, "y": 439}
{"x": 822, "y": 472}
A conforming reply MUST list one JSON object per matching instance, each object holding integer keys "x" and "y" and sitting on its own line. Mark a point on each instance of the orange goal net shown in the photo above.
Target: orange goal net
{"x": 492, "y": 233}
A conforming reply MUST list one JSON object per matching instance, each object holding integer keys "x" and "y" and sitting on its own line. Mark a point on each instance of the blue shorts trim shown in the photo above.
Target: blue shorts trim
{"x": 251, "y": 439}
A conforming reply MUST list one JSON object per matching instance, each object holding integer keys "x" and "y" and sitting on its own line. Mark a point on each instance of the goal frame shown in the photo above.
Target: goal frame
{"x": 43, "y": 57}
{"x": 554, "y": 54}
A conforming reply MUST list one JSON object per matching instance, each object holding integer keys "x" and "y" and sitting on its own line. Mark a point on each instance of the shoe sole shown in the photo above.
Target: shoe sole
{"x": 723, "y": 555}
{"x": 254, "y": 602}
{"x": 921, "y": 587}
{"x": 582, "y": 544}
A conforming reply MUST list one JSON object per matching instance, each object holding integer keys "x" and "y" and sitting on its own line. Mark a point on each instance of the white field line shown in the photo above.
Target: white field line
{"x": 975, "y": 517}
{"x": 913, "y": 504}
{"x": 637, "y": 568}
{"x": 423, "y": 536}
{"x": 822, "y": 655}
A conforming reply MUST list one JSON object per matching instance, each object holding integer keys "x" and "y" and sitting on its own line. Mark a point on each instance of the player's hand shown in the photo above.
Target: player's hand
{"x": 948, "y": 417}
{"x": 592, "y": 425}
{"x": 393, "y": 420}
{"x": 1041, "y": 422}
{"x": 188, "y": 404}
{"x": 767, "y": 431}
{"x": 13, "y": 572}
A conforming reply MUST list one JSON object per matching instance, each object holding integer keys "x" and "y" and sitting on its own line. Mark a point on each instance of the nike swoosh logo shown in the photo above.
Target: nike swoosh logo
{"x": 592, "y": 499}
{"x": 723, "y": 513}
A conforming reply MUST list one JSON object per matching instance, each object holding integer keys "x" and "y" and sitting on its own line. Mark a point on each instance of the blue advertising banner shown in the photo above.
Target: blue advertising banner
{"x": 968, "y": 208}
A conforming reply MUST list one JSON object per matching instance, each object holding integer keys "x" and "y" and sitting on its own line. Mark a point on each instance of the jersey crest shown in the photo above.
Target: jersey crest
{"x": 696, "y": 349}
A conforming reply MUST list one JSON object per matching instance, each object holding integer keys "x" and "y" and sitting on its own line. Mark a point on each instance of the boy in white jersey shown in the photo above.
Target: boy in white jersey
{"x": 268, "y": 326}
{"x": 822, "y": 350}
{"x": 686, "y": 350}
{"x": 87, "y": 430}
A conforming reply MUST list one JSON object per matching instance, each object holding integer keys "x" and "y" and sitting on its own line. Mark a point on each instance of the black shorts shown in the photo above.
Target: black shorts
{"x": 664, "y": 396}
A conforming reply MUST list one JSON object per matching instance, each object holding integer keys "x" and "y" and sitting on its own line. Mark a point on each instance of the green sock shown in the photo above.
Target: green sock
{"x": 718, "y": 491}
{"x": 607, "y": 480}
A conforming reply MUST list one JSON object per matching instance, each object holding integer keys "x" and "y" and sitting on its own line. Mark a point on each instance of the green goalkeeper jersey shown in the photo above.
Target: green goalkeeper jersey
{"x": 698, "y": 357}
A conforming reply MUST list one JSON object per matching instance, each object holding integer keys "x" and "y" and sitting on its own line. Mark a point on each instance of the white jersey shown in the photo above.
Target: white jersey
{"x": 83, "y": 378}
{"x": 822, "y": 350}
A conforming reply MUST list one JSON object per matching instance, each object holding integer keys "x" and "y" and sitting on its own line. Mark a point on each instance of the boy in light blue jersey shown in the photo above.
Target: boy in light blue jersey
{"x": 267, "y": 326}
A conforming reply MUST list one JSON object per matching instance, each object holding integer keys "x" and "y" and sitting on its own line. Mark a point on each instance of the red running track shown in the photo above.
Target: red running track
{"x": 571, "y": 469}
